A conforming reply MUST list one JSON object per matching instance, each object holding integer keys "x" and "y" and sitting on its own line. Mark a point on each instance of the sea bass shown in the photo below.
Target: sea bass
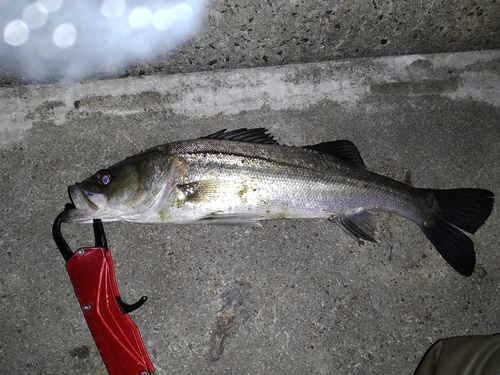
{"x": 244, "y": 176}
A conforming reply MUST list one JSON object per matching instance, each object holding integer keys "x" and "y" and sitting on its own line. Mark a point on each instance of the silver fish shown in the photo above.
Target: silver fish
{"x": 244, "y": 176}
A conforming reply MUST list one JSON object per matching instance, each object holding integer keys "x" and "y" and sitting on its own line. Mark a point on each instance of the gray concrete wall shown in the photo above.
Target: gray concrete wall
{"x": 268, "y": 33}
{"x": 295, "y": 296}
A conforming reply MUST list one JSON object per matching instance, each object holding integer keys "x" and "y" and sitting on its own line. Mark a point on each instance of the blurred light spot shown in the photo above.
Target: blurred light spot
{"x": 104, "y": 33}
{"x": 112, "y": 8}
{"x": 16, "y": 33}
{"x": 49, "y": 5}
{"x": 64, "y": 35}
{"x": 140, "y": 18}
{"x": 34, "y": 16}
{"x": 163, "y": 19}
{"x": 183, "y": 12}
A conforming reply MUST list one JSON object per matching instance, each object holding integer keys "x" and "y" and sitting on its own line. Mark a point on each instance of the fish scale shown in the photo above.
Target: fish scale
{"x": 301, "y": 190}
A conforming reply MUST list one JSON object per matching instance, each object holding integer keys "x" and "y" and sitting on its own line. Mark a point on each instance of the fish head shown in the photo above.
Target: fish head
{"x": 125, "y": 191}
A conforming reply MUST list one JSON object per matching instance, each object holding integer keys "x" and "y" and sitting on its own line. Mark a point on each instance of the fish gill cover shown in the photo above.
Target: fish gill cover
{"x": 71, "y": 38}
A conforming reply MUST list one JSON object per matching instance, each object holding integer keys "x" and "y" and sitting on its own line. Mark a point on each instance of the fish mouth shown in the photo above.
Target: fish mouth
{"x": 85, "y": 209}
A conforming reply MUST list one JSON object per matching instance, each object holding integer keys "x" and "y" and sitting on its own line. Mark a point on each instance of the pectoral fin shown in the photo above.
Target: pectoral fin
{"x": 357, "y": 223}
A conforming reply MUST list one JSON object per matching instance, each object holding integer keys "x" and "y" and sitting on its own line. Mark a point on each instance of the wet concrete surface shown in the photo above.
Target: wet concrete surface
{"x": 294, "y": 296}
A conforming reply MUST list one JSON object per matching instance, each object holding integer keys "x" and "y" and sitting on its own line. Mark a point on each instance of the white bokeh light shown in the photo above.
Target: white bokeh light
{"x": 163, "y": 19}
{"x": 112, "y": 8}
{"x": 70, "y": 38}
{"x": 49, "y": 5}
{"x": 183, "y": 12}
{"x": 16, "y": 33}
{"x": 140, "y": 18}
{"x": 64, "y": 35}
{"x": 34, "y": 16}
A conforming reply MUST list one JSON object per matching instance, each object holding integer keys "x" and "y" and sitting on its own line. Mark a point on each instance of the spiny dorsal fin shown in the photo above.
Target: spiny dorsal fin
{"x": 341, "y": 149}
{"x": 257, "y": 135}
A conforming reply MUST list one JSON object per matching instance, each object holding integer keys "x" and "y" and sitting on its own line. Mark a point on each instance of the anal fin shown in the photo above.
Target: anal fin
{"x": 357, "y": 223}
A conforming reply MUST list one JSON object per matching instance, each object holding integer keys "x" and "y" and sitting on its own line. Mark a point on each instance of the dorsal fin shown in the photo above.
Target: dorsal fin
{"x": 341, "y": 149}
{"x": 256, "y": 135}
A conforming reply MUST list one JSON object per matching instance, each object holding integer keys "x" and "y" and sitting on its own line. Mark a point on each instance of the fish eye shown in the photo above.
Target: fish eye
{"x": 103, "y": 178}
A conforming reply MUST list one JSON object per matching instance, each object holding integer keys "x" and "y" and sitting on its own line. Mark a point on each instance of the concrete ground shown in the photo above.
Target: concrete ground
{"x": 295, "y": 296}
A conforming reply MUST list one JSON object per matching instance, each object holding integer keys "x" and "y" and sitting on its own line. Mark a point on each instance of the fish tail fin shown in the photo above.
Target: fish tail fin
{"x": 457, "y": 210}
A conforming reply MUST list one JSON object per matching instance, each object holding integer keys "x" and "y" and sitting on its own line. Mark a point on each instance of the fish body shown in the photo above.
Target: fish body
{"x": 244, "y": 176}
